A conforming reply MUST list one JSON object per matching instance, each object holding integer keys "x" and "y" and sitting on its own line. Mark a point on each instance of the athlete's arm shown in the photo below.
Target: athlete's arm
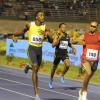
{"x": 70, "y": 45}
{"x": 55, "y": 41}
{"x": 25, "y": 29}
{"x": 79, "y": 40}
{"x": 47, "y": 35}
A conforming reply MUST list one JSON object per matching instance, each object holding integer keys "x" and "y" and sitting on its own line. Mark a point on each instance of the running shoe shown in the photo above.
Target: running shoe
{"x": 27, "y": 67}
{"x": 83, "y": 95}
{"x": 50, "y": 85}
{"x": 62, "y": 79}
{"x": 80, "y": 95}
{"x": 37, "y": 98}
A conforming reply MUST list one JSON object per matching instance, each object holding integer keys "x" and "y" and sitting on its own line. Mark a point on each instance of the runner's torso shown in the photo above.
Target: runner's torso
{"x": 35, "y": 34}
{"x": 62, "y": 46}
{"x": 92, "y": 47}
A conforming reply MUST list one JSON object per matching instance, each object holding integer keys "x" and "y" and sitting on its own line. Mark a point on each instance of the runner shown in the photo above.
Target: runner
{"x": 61, "y": 41}
{"x": 37, "y": 31}
{"x": 90, "y": 56}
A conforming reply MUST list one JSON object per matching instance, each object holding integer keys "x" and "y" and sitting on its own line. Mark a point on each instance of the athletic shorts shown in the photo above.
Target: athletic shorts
{"x": 59, "y": 57}
{"x": 35, "y": 55}
{"x": 94, "y": 65}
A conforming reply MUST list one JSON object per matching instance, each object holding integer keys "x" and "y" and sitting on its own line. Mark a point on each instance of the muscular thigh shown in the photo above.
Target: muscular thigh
{"x": 67, "y": 62}
{"x": 34, "y": 56}
{"x": 87, "y": 67}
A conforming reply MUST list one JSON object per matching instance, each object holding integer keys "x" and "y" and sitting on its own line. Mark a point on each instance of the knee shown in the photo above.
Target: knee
{"x": 67, "y": 64}
{"x": 89, "y": 73}
{"x": 35, "y": 68}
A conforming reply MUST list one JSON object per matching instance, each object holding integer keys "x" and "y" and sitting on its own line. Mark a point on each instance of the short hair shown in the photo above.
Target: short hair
{"x": 61, "y": 24}
{"x": 94, "y": 22}
{"x": 36, "y": 13}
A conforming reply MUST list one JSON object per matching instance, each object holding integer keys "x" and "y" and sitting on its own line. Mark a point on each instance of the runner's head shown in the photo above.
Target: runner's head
{"x": 62, "y": 27}
{"x": 39, "y": 16}
{"x": 93, "y": 27}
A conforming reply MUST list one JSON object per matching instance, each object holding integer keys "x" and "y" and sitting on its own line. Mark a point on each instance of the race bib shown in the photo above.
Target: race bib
{"x": 92, "y": 54}
{"x": 36, "y": 39}
{"x": 63, "y": 44}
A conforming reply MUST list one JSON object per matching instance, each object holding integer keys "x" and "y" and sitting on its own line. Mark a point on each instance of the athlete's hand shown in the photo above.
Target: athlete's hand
{"x": 14, "y": 38}
{"x": 74, "y": 51}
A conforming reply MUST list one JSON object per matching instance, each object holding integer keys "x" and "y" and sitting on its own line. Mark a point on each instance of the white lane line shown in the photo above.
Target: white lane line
{"x": 11, "y": 91}
{"x": 39, "y": 87}
{"x": 47, "y": 81}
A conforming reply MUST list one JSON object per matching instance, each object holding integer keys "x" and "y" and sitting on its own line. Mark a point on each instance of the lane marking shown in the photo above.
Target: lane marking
{"x": 39, "y": 87}
{"x": 19, "y": 93}
{"x": 47, "y": 81}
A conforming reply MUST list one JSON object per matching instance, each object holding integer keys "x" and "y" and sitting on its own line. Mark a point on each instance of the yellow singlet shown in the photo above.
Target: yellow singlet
{"x": 35, "y": 34}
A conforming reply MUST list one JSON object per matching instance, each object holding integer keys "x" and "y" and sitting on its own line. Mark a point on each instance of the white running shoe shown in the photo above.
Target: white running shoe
{"x": 80, "y": 95}
{"x": 83, "y": 95}
{"x": 50, "y": 85}
{"x": 37, "y": 98}
{"x": 62, "y": 79}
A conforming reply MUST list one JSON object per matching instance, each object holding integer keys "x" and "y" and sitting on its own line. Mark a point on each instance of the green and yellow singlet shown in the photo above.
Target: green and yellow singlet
{"x": 35, "y": 34}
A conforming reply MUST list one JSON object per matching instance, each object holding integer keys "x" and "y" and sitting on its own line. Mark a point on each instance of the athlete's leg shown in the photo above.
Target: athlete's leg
{"x": 27, "y": 67}
{"x": 54, "y": 67}
{"x": 35, "y": 78}
{"x": 88, "y": 72}
{"x": 55, "y": 64}
{"x": 66, "y": 68}
{"x": 80, "y": 71}
{"x": 90, "y": 69}
{"x": 35, "y": 67}
{"x": 88, "y": 75}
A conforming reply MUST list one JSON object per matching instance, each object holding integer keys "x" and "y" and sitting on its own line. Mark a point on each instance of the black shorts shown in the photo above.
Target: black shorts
{"x": 59, "y": 57}
{"x": 35, "y": 55}
{"x": 94, "y": 66}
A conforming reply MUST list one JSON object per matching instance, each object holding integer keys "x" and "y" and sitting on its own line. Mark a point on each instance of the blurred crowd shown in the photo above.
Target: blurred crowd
{"x": 52, "y": 8}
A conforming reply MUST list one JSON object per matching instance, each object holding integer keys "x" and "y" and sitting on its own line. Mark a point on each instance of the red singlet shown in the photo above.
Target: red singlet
{"x": 91, "y": 47}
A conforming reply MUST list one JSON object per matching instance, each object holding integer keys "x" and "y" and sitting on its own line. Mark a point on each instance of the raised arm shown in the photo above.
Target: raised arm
{"x": 48, "y": 34}
{"x": 56, "y": 39}
{"x": 24, "y": 30}
{"x": 71, "y": 45}
{"x": 79, "y": 40}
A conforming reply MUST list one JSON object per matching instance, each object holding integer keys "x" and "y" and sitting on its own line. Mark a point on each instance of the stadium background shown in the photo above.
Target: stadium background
{"x": 76, "y": 13}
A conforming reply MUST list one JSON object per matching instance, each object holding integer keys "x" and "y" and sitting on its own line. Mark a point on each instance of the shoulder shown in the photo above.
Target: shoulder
{"x": 82, "y": 36}
{"x": 98, "y": 33}
{"x": 27, "y": 25}
{"x": 32, "y": 23}
{"x": 47, "y": 28}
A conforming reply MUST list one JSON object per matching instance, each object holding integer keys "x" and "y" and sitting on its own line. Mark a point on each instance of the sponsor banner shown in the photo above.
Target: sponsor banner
{"x": 76, "y": 59}
{"x": 19, "y": 49}
{"x": 48, "y": 53}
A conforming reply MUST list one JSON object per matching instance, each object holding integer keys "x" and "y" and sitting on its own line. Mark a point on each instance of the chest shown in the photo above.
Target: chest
{"x": 63, "y": 43}
{"x": 91, "y": 39}
{"x": 36, "y": 30}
